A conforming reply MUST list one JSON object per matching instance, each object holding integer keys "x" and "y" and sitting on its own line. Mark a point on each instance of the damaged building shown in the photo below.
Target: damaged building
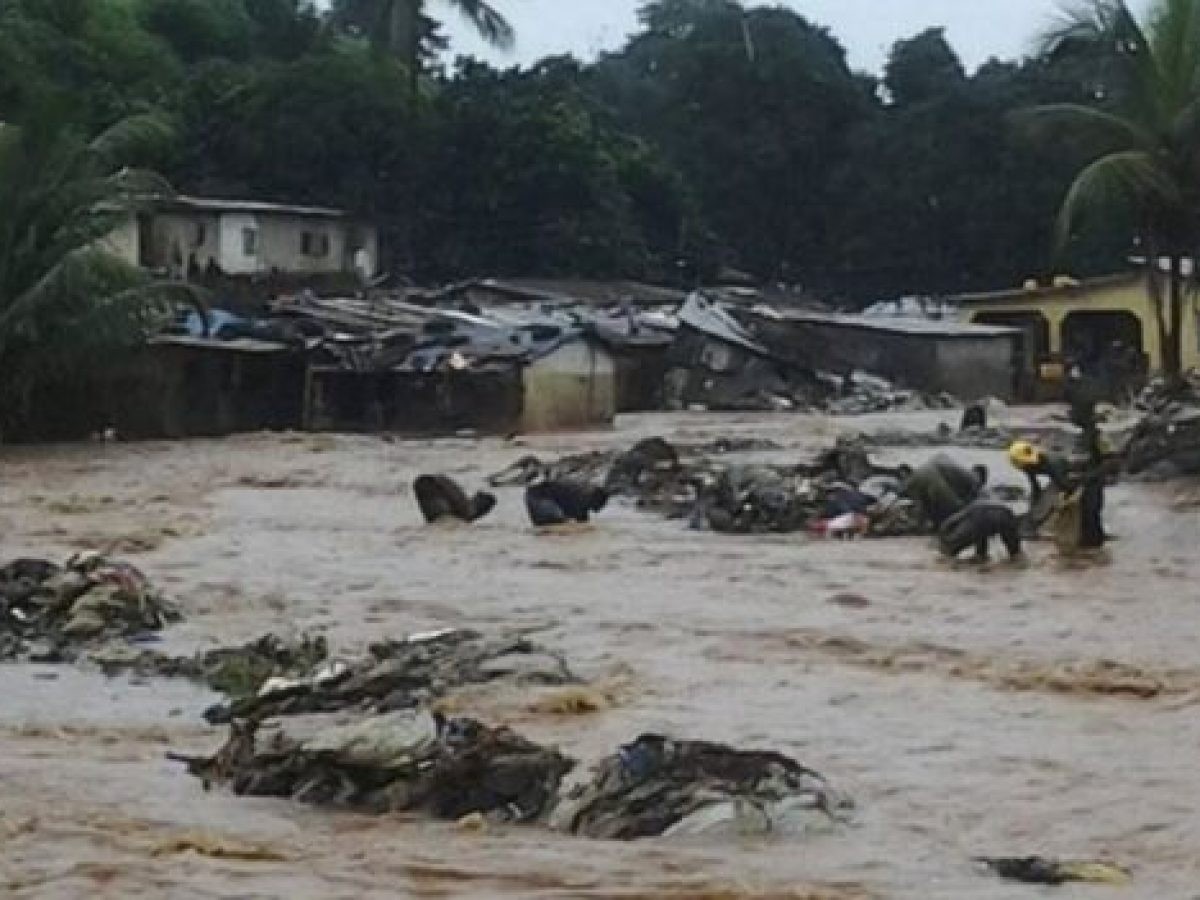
{"x": 191, "y": 237}
{"x": 716, "y": 363}
{"x": 928, "y": 355}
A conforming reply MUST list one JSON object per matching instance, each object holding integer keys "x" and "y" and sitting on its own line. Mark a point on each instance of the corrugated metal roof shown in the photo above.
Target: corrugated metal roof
{"x": 209, "y": 204}
{"x": 898, "y": 325}
{"x": 704, "y": 315}
{"x": 234, "y": 345}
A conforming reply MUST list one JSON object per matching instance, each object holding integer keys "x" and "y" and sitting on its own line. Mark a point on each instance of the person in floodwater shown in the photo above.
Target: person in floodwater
{"x": 562, "y": 501}
{"x": 1049, "y": 476}
{"x": 976, "y": 525}
{"x": 941, "y": 487}
{"x": 440, "y": 497}
{"x": 1082, "y": 485}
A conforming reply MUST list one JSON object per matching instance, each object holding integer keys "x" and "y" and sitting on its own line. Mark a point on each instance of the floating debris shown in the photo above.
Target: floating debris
{"x": 266, "y": 665}
{"x": 1039, "y": 870}
{"x": 48, "y": 613}
{"x": 400, "y": 675}
{"x": 405, "y": 760}
{"x": 657, "y": 786}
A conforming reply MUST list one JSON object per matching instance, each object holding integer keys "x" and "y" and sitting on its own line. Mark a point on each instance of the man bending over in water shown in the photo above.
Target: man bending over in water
{"x": 440, "y": 498}
{"x": 559, "y": 502}
{"x": 976, "y": 525}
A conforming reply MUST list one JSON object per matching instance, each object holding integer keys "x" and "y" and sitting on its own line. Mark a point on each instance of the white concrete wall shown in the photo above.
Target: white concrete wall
{"x": 184, "y": 243}
{"x": 232, "y": 257}
{"x": 281, "y": 243}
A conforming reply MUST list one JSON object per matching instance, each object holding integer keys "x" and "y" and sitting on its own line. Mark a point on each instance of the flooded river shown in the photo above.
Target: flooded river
{"x": 1047, "y": 709}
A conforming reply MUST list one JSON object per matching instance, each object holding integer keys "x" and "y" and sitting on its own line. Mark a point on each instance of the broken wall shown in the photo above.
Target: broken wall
{"x": 964, "y": 365}
{"x": 575, "y": 386}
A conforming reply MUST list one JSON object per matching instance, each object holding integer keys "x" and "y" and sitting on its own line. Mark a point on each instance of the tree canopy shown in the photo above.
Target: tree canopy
{"x": 719, "y": 134}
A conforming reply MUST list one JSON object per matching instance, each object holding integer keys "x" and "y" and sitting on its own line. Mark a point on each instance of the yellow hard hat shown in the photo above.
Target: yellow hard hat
{"x": 1023, "y": 453}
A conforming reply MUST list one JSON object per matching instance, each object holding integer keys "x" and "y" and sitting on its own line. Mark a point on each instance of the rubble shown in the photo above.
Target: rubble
{"x": 860, "y": 393}
{"x": 993, "y": 438}
{"x": 50, "y": 612}
{"x": 400, "y": 675}
{"x": 268, "y": 664}
{"x": 359, "y": 733}
{"x": 693, "y": 482}
{"x": 404, "y": 760}
{"x": 657, "y": 786}
{"x": 1166, "y": 441}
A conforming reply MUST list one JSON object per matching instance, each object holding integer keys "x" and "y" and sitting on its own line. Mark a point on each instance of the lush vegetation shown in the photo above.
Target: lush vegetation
{"x": 718, "y": 136}
{"x": 1148, "y": 172}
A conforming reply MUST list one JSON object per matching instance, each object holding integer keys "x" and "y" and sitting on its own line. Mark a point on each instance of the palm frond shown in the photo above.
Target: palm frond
{"x": 137, "y": 137}
{"x": 1128, "y": 177}
{"x": 1092, "y": 121}
{"x": 1173, "y": 34}
{"x": 488, "y": 21}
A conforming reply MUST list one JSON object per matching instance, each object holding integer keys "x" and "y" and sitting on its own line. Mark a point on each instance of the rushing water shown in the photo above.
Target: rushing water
{"x": 967, "y": 711}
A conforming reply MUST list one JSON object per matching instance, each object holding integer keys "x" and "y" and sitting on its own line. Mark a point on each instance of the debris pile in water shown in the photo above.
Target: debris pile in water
{"x": 49, "y": 613}
{"x": 403, "y": 760}
{"x": 1039, "y": 870}
{"x": 367, "y": 736}
{"x": 862, "y": 393}
{"x": 657, "y": 786}
{"x": 1165, "y": 443}
{"x": 698, "y": 484}
{"x": 238, "y": 672}
{"x": 400, "y": 675}
{"x": 359, "y": 734}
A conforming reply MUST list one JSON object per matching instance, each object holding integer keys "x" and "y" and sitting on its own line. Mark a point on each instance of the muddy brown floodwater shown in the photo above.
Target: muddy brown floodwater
{"x": 1049, "y": 709}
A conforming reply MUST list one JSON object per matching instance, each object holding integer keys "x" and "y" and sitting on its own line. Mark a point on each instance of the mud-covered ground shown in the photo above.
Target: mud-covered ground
{"x": 1011, "y": 710}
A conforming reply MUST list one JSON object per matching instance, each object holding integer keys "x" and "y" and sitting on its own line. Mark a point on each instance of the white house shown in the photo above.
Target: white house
{"x": 190, "y": 235}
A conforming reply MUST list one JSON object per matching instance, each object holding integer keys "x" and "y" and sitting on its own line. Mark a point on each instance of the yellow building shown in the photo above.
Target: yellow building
{"x": 1082, "y": 319}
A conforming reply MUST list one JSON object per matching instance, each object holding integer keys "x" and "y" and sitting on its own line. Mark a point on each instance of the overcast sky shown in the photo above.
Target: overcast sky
{"x": 978, "y": 29}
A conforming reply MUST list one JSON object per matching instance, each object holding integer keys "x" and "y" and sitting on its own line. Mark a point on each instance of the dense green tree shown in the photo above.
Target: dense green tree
{"x": 754, "y": 107}
{"x": 529, "y": 174}
{"x": 1147, "y": 130}
{"x": 922, "y": 68}
{"x": 91, "y": 54}
{"x": 402, "y": 27}
{"x": 67, "y": 304}
{"x": 717, "y": 134}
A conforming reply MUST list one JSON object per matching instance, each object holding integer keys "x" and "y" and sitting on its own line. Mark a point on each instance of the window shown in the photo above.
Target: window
{"x": 250, "y": 241}
{"x": 201, "y": 235}
{"x": 314, "y": 243}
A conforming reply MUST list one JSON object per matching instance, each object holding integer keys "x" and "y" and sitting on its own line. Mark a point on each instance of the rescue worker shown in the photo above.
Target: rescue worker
{"x": 976, "y": 525}
{"x": 1081, "y": 487}
{"x": 440, "y": 497}
{"x": 1036, "y": 465}
{"x": 941, "y": 487}
{"x": 561, "y": 501}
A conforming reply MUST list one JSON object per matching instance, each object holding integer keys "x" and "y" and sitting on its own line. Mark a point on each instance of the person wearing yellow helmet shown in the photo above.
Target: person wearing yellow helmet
{"x": 1085, "y": 483}
{"x": 1037, "y": 464}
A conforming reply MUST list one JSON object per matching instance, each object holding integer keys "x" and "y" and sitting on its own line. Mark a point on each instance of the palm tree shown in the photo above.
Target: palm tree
{"x": 66, "y": 302}
{"x": 399, "y": 26}
{"x": 1147, "y": 125}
